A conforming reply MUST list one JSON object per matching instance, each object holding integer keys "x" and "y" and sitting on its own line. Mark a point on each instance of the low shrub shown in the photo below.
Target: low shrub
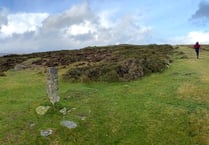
{"x": 2, "y": 74}
{"x": 124, "y": 63}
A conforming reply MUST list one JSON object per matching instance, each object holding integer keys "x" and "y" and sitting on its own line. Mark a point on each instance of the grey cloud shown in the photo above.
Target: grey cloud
{"x": 3, "y": 16}
{"x": 74, "y": 15}
{"x": 83, "y": 37}
{"x": 129, "y": 32}
{"x": 28, "y": 42}
{"x": 202, "y": 11}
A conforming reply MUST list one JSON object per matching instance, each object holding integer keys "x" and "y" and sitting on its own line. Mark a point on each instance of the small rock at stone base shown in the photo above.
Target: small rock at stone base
{"x": 41, "y": 110}
{"x": 71, "y": 110}
{"x": 63, "y": 111}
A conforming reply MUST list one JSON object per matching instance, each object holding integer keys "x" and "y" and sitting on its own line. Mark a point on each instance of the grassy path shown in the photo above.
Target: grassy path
{"x": 196, "y": 89}
{"x": 169, "y": 108}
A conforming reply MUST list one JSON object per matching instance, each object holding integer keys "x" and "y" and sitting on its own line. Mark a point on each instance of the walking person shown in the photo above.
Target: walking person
{"x": 197, "y": 48}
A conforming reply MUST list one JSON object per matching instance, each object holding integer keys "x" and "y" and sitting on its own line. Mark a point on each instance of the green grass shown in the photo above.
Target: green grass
{"x": 169, "y": 108}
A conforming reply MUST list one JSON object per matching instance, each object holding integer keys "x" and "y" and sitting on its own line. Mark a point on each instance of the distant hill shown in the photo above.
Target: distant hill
{"x": 2, "y": 54}
{"x": 107, "y": 63}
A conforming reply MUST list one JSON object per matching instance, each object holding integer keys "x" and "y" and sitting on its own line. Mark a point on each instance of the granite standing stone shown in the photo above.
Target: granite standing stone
{"x": 52, "y": 85}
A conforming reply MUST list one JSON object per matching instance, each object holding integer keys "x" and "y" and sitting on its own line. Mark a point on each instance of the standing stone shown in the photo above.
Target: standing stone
{"x": 52, "y": 85}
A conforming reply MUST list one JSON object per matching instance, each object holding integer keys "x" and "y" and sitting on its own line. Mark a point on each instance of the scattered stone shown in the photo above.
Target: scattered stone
{"x": 83, "y": 118}
{"x": 19, "y": 67}
{"x": 46, "y": 133}
{"x": 52, "y": 85}
{"x": 41, "y": 110}
{"x": 63, "y": 111}
{"x": 32, "y": 125}
{"x": 68, "y": 124}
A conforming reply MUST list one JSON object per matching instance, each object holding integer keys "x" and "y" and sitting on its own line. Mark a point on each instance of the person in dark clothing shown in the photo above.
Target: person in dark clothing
{"x": 197, "y": 47}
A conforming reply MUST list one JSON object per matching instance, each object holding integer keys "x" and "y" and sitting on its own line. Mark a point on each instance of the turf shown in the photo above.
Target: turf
{"x": 164, "y": 108}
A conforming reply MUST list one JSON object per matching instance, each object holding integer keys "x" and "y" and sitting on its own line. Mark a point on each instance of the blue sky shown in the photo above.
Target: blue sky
{"x": 44, "y": 25}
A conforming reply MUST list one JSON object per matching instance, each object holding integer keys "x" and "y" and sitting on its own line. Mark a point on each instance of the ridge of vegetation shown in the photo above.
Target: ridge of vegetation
{"x": 108, "y": 63}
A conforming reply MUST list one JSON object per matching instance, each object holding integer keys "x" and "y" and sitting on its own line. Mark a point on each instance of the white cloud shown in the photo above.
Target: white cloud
{"x": 22, "y": 22}
{"x": 83, "y": 28}
{"x": 74, "y": 28}
{"x": 105, "y": 18}
{"x": 192, "y": 37}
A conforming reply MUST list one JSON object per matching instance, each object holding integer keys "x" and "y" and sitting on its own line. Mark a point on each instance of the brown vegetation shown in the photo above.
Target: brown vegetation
{"x": 108, "y": 63}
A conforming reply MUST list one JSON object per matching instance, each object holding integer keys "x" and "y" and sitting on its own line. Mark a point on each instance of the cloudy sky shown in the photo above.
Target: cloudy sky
{"x": 43, "y": 25}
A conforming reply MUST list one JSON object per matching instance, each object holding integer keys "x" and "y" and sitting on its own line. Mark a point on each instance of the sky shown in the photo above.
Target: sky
{"x": 45, "y": 25}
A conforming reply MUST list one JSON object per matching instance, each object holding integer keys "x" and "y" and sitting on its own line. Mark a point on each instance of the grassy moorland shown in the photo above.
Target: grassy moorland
{"x": 169, "y": 108}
